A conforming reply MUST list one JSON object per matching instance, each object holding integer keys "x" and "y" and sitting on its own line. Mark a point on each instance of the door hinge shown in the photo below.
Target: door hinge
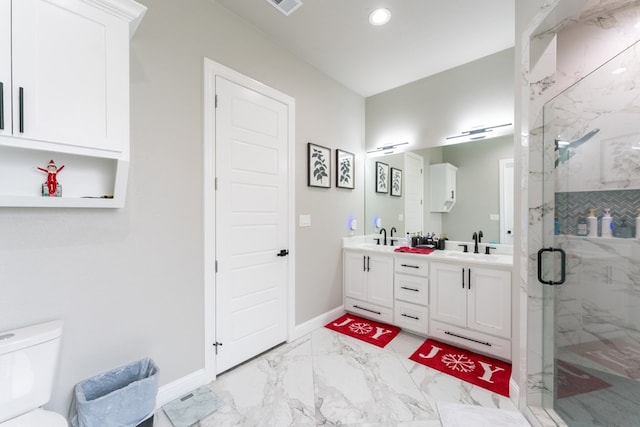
{"x": 216, "y": 102}
{"x": 216, "y": 266}
{"x": 215, "y": 184}
{"x": 216, "y": 345}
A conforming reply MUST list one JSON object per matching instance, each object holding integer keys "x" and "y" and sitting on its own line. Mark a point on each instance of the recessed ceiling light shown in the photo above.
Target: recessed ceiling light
{"x": 379, "y": 16}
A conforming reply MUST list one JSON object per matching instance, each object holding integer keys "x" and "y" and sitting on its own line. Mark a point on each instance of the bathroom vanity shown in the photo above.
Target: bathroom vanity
{"x": 461, "y": 298}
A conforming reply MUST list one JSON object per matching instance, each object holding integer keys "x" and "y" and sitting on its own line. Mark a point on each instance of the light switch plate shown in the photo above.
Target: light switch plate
{"x": 494, "y": 217}
{"x": 305, "y": 221}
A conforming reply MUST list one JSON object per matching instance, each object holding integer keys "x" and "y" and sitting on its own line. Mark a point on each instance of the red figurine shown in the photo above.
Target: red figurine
{"x": 52, "y": 181}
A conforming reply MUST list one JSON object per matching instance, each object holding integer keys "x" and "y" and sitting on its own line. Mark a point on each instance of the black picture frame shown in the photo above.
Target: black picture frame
{"x": 396, "y": 182}
{"x": 319, "y": 166}
{"x": 345, "y": 169}
{"x": 382, "y": 177}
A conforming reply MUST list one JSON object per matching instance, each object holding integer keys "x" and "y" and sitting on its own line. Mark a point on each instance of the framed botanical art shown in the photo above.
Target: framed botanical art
{"x": 345, "y": 163}
{"x": 382, "y": 177}
{"x": 396, "y": 182}
{"x": 319, "y": 164}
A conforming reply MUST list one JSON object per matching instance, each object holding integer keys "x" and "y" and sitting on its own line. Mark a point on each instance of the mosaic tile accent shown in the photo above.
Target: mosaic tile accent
{"x": 572, "y": 206}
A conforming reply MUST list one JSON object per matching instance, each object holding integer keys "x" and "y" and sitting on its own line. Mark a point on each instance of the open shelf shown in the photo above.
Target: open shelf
{"x": 87, "y": 181}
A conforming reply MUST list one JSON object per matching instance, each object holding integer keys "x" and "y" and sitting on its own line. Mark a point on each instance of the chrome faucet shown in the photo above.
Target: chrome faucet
{"x": 391, "y": 239}
{"x": 383, "y": 230}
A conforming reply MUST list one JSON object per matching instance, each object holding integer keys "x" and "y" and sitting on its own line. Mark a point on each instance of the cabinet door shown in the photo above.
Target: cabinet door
{"x": 380, "y": 281}
{"x": 450, "y": 184}
{"x": 355, "y": 265}
{"x": 70, "y": 74}
{"x": 490, "y": 301}
{"x": 448, "y": 293}
{"x": 5, "y": 67}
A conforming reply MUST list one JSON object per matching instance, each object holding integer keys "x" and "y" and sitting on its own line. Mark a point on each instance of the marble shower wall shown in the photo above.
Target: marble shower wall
{"x": 600, "y": 299}
{"x": 559, "y": 54}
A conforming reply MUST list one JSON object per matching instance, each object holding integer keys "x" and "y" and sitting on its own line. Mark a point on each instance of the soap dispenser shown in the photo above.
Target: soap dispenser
{"x": 592, "y": 224}
{"x": 607, "y": 221}
{"x": 582, "y": 227}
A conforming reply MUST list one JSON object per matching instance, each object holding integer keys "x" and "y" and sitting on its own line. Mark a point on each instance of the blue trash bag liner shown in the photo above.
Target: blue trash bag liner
{"x": 122, "y": 397}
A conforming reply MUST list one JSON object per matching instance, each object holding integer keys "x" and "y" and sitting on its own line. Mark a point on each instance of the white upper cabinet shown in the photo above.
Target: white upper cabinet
{"x": 70, "y": 74}
{"x": 5, "y": 68}
{"x": 443, "y": 187}
{"x": 64, "y": 70}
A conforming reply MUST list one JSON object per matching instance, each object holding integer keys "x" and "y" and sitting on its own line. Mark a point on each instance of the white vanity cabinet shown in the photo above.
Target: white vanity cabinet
{"x": 470, "y": 305}
{"x": 411, "y": 286}
{"x": 443, "y": 186}
{"x": 65, "y": 97}
{"x": 368, "y": 284}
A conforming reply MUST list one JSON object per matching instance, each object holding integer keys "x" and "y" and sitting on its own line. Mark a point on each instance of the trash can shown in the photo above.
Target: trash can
{"x": 122, "y": 397}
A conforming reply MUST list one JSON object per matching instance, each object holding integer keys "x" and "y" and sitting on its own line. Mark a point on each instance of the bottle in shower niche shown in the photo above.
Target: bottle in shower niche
{"x": 638, "y": 224}
{"x": 582, "y": 227}
{"x": 592, "y": 224}
{"x": 607, "y": 223}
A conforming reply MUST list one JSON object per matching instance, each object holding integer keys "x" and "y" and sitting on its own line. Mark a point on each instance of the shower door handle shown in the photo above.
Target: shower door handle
{"x": 563, "y": 268}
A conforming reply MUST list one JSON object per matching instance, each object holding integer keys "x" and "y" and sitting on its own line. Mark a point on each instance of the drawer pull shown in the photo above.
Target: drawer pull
{"x": 410, "y": 266}
{"x": 409, "y": 289}
{"x": 366, "y": 309}
{"x": 468, "y": 339}
{"x": 410, "y": 317}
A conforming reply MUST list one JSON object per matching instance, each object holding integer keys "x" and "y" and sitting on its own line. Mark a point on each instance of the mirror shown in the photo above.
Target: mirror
{"x": 481, "y": 164}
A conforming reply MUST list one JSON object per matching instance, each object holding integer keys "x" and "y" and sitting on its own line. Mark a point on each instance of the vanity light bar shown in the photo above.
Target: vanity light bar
{"x": 387, "y": 147}
{"x": 477, "y": 131}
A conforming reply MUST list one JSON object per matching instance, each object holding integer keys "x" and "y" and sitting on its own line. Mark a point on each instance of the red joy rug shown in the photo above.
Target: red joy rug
{"x": 573, "y": 380}
{"x": 477, "y": 369}
{"x": 376, "y": 333}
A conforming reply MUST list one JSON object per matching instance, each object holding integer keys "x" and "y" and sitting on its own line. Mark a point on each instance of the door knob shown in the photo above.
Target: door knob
{"x": 283, "y": 252}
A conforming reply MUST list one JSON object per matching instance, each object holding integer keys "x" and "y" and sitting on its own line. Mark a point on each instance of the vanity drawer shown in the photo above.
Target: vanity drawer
{"x": 413, "y": 289}
{"x": 476, "y": 341}
{"x": 368, "y": 310}
{"x": 418, "y": 267}
{"x": 412, "y": 317}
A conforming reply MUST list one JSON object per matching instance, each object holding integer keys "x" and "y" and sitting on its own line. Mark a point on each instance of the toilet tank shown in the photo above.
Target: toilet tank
{"x": 28, "y": 362}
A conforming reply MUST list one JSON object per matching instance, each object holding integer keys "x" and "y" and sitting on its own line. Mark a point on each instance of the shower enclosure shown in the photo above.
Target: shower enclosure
{"x": 591, "y": 283}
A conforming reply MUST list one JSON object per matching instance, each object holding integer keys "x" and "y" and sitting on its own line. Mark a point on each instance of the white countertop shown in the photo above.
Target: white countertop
{"x": 502, "y": 256}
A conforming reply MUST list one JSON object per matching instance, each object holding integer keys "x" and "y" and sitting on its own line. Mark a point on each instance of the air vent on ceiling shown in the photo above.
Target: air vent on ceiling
{"x": 285, "y": 6}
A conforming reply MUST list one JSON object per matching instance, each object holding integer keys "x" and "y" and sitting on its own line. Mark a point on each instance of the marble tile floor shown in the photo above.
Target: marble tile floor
{"x": 328, "y": 379}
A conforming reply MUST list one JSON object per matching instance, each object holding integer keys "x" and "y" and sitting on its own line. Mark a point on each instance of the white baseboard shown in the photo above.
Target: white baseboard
{"x": 317, "y": 322}
{"x": 180, "y": 387}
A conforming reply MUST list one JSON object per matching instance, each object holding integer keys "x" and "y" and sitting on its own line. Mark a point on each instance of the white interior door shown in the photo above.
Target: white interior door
{"x": 414, "y": 193}
{"x": 251, "y": 223}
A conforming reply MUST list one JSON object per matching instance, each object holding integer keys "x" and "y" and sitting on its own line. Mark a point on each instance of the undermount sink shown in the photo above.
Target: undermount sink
{"x": 472, "y": 257}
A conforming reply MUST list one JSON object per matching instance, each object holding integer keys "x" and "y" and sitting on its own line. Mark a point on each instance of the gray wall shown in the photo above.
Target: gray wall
{"x": 129, "y": 283}
{"x": 426, "y": 111}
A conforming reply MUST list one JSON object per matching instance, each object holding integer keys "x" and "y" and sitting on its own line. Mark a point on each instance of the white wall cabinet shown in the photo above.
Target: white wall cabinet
{"x": 471, "y": 305}
{"x": 411, "y": 290}
{"x": 443, "y": 186}
{"x": 368, "y": 284}
{"x": 65, "y": 96}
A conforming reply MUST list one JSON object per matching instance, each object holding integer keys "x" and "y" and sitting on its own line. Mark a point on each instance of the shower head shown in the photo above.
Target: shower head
{"x": 565, "y": 149}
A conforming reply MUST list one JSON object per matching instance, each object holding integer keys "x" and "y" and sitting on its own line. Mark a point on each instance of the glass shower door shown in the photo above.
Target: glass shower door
{"x": 591, "y": 330}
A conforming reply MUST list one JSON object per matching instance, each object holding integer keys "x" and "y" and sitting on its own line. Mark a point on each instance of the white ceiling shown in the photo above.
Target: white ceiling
{"x": 424, "y": 37}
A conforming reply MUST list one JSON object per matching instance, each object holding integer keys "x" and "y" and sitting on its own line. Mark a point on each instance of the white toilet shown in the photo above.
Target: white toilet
{"x": 28, "y": 361}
